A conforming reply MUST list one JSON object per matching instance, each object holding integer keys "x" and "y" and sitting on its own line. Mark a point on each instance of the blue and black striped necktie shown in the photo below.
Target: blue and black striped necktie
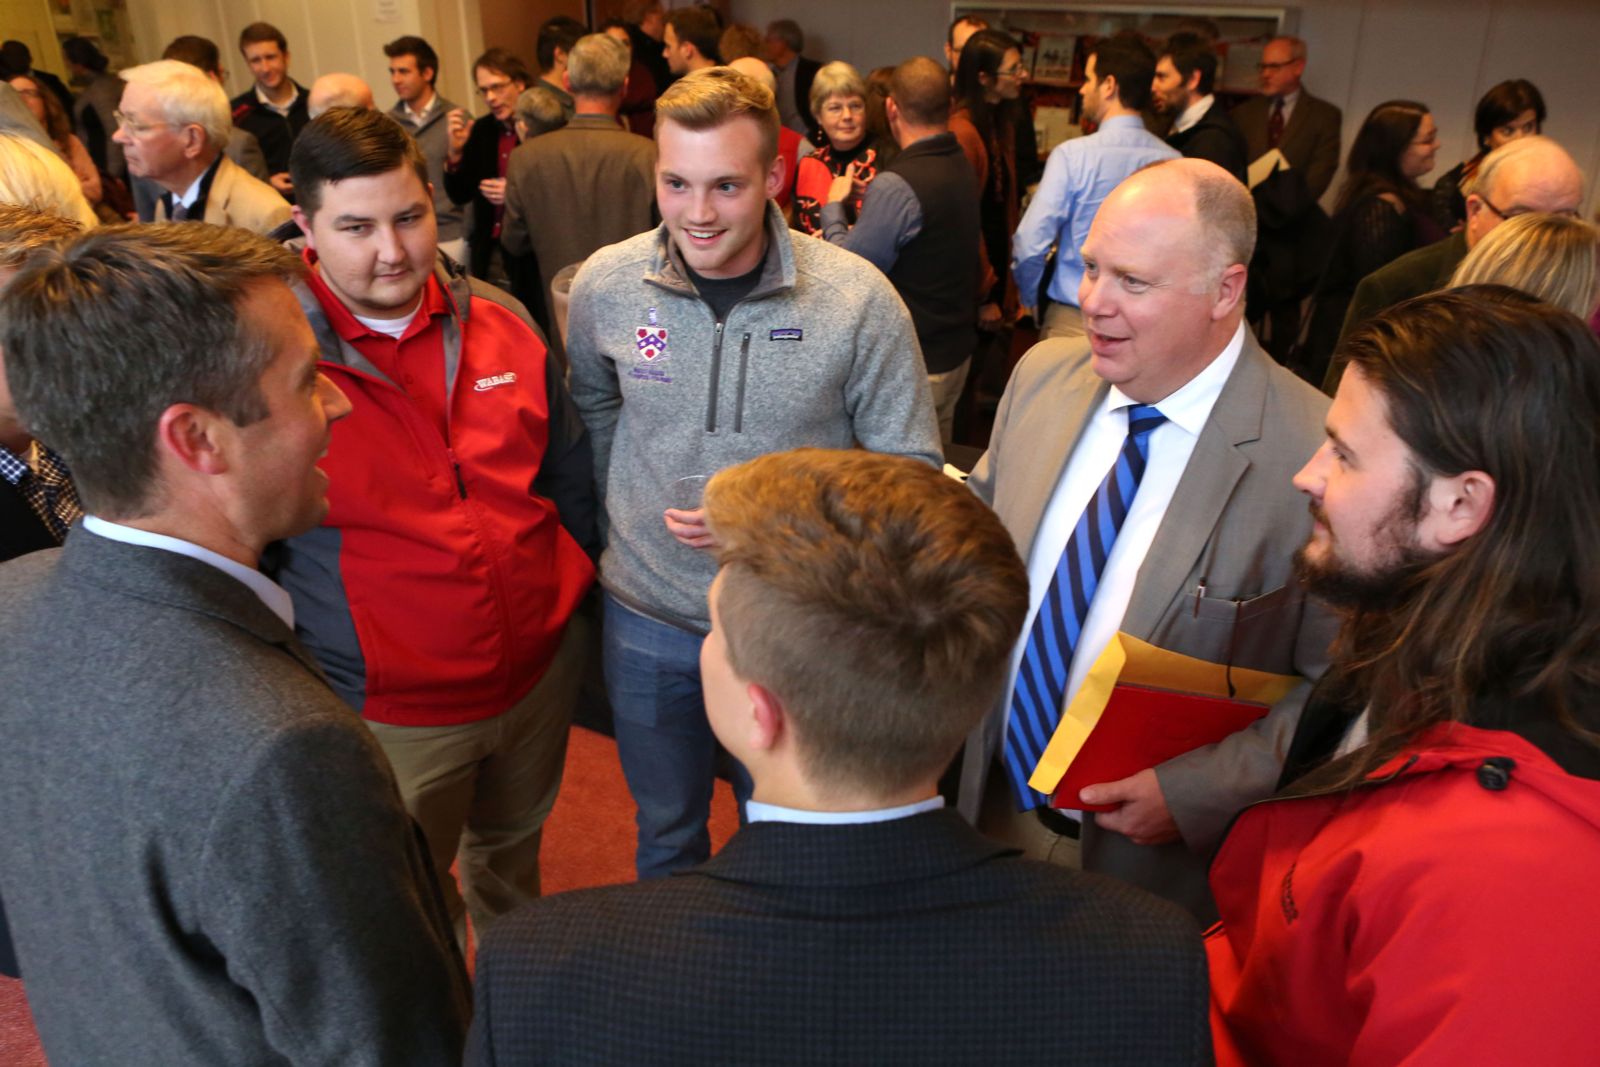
{"x": 1036, "y": 702}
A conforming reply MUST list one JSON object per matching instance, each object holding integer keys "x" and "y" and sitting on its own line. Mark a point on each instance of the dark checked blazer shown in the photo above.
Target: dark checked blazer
{"x": 912, "y": 941}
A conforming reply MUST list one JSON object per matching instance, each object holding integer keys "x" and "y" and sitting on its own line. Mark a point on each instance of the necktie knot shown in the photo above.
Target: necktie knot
{"x": 1143, "y": 420}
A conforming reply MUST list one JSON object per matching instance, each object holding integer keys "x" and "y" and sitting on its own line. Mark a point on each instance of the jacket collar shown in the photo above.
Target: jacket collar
{"x": 777, "y": 273}
{"x": 161, "y": 577}
{"x": 870, "y": 854}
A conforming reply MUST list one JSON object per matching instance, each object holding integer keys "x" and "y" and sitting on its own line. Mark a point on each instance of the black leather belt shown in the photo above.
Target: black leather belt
{"x": 1057, "y": 823}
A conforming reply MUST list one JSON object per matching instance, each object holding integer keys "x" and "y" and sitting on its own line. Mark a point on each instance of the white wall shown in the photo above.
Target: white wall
{"x": 1445, "y": 53}
{"x": 324, "y": 36}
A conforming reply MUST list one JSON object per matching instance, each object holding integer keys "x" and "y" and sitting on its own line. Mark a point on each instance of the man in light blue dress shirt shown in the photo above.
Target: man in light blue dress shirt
{"x": 1080, "y": 174}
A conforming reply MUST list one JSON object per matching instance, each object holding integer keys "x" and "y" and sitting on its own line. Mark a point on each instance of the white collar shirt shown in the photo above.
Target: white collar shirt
{"x": 755, "y": 811}
{"x": 1193, "y": 113}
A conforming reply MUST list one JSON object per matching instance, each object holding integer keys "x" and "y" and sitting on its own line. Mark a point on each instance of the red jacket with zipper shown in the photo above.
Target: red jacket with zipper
{"x": 1444, "y": 912}
{"x": 438, "y": 587}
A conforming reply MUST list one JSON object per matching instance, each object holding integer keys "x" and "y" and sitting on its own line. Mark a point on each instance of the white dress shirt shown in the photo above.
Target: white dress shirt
{"x": 1193, "y": 113}
{"x": 755, "y": 811}
{"x": 1289, "y": 101}
{"x": 273, "y": 595}
{"x": 1171, "y": 445}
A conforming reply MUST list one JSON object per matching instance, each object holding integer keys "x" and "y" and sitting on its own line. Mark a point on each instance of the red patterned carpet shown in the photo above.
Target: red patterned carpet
{"x": 588, "y": 841}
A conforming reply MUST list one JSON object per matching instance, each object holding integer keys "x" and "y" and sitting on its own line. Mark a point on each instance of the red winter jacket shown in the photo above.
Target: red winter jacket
{"x": 437, "y": 589}
{"x": 1443, "y": 913}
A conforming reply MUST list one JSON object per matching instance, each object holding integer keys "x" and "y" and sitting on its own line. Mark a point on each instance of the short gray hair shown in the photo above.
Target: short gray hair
{"x": 188, "y": 96}
{"x": 540, "y": 110}
{"x": 1297, "y": 46}
{"x": 598, "y": 65}
{"x": 788, "y": 31}
{"x": 836, "y": 79}
{"x": 104, "y": 334}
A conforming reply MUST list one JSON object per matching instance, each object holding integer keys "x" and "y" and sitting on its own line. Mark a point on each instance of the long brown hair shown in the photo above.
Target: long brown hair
{"x": 1485, "y": 378}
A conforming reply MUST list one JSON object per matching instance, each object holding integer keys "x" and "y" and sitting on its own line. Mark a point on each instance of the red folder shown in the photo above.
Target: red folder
{"x": 1142, "y": 727}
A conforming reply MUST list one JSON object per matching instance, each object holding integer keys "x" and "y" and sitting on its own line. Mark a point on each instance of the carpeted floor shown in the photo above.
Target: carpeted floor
{"x": 588, "y": 841}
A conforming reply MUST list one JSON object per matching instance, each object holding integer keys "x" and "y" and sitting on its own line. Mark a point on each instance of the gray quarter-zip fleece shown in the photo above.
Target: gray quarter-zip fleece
{"x": 821, "y": 353}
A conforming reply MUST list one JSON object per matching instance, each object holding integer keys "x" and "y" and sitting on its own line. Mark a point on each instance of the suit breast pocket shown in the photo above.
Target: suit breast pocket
{"x": 1249, "y": 631}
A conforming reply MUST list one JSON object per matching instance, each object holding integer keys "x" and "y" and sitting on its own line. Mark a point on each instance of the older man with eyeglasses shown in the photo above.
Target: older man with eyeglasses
{"x": 173, "y": 126}
{"x": 1530, "y": 174}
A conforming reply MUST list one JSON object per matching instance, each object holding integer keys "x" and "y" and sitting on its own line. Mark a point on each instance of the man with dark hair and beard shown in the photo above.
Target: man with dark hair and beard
{"x": 1424, "y": 882}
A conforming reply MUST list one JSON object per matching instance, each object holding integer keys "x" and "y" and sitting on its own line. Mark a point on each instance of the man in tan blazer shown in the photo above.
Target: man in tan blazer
{"x": 1202, "y": 562}
{"x": 174, "y": 129}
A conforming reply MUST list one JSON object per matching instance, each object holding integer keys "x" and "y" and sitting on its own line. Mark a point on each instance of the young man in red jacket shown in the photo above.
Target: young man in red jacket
{"x": 1423, "y": 890}
{"x": 439, "y": 593}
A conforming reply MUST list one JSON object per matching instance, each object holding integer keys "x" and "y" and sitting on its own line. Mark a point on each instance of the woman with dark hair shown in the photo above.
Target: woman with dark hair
{"x": 984, "y": 117}
{"x": 1510, "y": 110}
{"x": 1380, "y": 215}
{"x": 53, "y": 117}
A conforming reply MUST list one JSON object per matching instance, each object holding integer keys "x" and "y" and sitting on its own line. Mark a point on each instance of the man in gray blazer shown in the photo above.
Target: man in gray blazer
{"x": 1201, "y": 564}
{"x": 204, "y": 857}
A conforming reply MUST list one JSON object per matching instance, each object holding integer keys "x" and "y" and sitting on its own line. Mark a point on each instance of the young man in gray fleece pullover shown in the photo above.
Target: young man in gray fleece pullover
{"x": 702, "y": 344}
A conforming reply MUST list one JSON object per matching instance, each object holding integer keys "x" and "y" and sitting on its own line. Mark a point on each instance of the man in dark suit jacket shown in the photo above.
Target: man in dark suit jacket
{"x": 192, "y": 816}
{"x": 1201, "y": 129}
{"x": 477, "y": 152}
{"x": 851, "y": 920}
{"x": 1306, "y": 130}
{"x": 1202, "y": 565}
{"x": 795, "y": 74}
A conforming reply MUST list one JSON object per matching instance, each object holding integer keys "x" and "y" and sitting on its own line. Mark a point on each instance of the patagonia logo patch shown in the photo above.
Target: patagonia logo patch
{"x": 483, "y": 385}
{"x": 787, "y": 335}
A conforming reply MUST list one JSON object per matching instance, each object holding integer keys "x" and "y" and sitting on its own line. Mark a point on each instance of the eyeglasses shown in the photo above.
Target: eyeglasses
{"x": 1263, "y": 67}
{"x": 1570, "y": 213}
{"x": 134, "y": 128}
{"x": 495, "y": 88}
{"x": 835, "y": 108}
{"x": 1015, "y": 71}
{"x": 31, "y": 94}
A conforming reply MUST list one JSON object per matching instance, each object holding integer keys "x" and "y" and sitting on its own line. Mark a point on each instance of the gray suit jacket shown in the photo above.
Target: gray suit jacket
{"x": 204, "y": 858}
{"x": 1235, "y": 521}
{"x": 1310, "y": 137}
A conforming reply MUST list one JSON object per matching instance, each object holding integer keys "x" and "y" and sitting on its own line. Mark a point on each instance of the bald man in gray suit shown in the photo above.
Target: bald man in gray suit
{"x": 1202, "y": 564}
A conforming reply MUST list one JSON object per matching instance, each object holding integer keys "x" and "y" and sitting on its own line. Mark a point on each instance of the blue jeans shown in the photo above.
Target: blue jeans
{"x": 665, "y": 743}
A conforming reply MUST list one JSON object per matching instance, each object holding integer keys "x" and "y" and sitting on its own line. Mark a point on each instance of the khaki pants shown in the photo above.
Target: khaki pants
{"x": 1061, "y": 320}
{"x": 999, "y": 818}
{"x": 946, "y": 391}
{"x": 482, "y": 790}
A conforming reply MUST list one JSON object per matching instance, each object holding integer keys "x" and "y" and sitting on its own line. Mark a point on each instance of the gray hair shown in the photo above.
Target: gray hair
{"x": 788, "y": 31}
{"x": 104, "y": 334}
{"x": 540, "y": 110}
{"x": 189, "y": 97}
{"x": 836, "y": 79}
{"x": 1297, "y": 46}
{"x": 598, "y": 65}
{"x": 1483, "y": 181}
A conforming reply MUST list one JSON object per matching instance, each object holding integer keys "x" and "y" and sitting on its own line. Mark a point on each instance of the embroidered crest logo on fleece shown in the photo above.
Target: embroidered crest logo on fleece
{"x": 650, "y": 350}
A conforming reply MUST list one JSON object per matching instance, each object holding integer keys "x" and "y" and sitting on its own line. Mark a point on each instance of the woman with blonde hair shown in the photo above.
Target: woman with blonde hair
{"x": 845, "y": 144}
{"x": 1555, "y": 258}
{"x": 34, "y": 177}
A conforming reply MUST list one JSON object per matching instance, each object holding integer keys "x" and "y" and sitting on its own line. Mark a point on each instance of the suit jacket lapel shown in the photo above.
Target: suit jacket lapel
{"x": 1203, "y": 491}
{"x": 1050, "y": 442}
{"x": 217, "y": 197}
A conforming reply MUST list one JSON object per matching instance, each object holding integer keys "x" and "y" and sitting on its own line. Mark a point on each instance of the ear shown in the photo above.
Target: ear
{"x": 1230, "y": 291}
{"x": 1458, "y": 507}
{"x": 1109, "y": 89}
{"x": 776, "y": 174}
{"x": 1191, "y": 84}
{"x": 194, "y": 141}
{"x": 193, "y": 437}
{"x": 302, "y": 220}
{"x": 566, "y": 79}
{"x": 769, "y": 723}
{"x": 891, "y": 110}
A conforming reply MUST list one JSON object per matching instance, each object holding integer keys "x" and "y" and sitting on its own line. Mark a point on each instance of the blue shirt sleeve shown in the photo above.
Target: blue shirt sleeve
{"x": 1044, "y": 221}
{"x": 890, "y": 217}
